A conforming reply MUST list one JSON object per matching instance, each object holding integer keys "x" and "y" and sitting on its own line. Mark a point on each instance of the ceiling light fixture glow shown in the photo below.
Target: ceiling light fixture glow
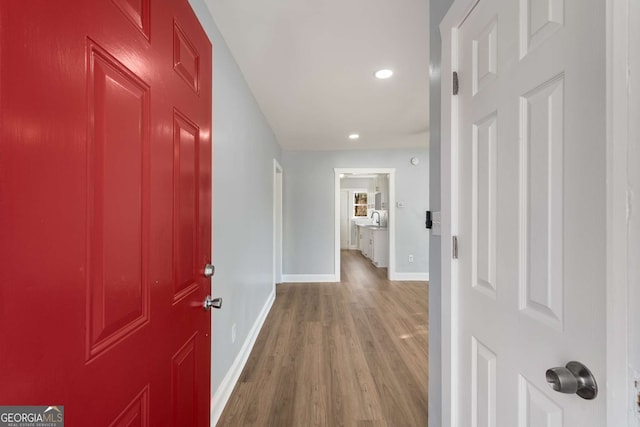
{"x": 383, "y": 74}
{"x": 354, "y": 136}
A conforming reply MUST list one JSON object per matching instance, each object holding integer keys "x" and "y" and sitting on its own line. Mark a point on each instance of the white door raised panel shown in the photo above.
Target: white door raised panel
{"x": 531, "y": 162}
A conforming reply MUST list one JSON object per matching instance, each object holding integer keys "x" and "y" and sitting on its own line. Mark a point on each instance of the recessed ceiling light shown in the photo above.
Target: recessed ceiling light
{"x": 354, "y": 136}
{"x": 384, "y": 74}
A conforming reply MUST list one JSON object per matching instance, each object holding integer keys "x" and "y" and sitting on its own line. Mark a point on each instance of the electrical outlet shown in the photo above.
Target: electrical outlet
{"x": 233, "y": 333}
{"x": 410, "y": 258}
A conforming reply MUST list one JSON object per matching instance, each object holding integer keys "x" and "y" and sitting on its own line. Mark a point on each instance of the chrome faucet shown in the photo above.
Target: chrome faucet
{"x": 378, "y": 221}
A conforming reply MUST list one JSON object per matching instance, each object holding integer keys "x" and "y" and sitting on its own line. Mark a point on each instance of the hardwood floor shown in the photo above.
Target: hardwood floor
{"x": 352, "y": 353}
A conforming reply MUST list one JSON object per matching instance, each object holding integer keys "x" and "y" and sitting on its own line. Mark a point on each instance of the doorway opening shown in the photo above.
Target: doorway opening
{"x": 363, "y": 218}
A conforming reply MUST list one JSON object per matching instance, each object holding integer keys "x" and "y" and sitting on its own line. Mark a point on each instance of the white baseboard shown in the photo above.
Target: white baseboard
{"x": 410, "y": 276}
{"x": 309, "y": 278}
{"x": 326, "y": 278}
{"x": 221, "y": 396}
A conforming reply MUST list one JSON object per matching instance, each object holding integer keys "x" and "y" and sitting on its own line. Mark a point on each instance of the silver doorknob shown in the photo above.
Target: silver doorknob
{"x": 209, "y": 270}
{"x": 212, "y": 302}
{"x": 573, "y": 378}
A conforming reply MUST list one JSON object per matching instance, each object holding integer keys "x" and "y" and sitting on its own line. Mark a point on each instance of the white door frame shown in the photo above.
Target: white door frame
{"x": 449, "y": 210}
{"x": 277, "y": 222}
{"x": 343, "y": 208}
{"x": 391, "y": 270}
{"x": 618, "y": 382}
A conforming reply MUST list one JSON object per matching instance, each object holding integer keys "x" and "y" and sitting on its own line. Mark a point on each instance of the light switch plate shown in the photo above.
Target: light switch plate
{"x": 436, "y": 228}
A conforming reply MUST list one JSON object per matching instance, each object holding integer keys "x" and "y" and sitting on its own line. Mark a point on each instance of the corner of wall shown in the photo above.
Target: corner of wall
{"x": 223, "y": 392}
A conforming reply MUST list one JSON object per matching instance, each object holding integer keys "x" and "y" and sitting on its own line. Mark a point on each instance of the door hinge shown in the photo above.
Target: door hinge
{"x": 455, "y": 83}
{"x": 454, "y": 247}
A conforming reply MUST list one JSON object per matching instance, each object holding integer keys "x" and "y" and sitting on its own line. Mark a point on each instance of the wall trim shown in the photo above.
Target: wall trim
{"x": 619, "y": 101}
{"x": 409, "y": 277}
{"x": 309, "y": 278}
{"x": 450, "y": 397}
{"x": 277, "y": 222}
{"x": 221, "y": 395}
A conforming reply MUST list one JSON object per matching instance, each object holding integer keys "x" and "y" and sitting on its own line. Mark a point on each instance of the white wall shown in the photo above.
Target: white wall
{"x": 356, "y": 183}
{"x": 309, "y": 207}
{"x": 244, "y": 147}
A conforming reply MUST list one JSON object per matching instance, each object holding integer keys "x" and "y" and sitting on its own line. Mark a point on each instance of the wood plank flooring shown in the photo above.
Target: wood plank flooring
{"x": 352, "y": 353}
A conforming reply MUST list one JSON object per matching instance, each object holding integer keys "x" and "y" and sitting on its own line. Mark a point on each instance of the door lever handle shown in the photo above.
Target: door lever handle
{"x": 573, "y": 378}
{"x": 212, "y": 302}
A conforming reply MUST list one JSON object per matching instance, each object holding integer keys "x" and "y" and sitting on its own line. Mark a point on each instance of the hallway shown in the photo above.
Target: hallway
{"x": 352, "y": 353}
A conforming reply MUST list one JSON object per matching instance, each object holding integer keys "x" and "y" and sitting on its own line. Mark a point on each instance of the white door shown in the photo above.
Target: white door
{"x": 531, "y": 156}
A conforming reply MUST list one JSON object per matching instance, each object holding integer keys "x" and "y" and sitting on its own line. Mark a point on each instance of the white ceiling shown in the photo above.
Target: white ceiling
{"x": 310, "y": 65}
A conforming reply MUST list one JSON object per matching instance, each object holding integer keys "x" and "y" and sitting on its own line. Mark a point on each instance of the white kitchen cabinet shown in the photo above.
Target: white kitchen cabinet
{"x": 381, "y": 193}
{"x": 373, "y": 242}
{"x": 379, "y": 247}
{"x": 378, "y": 201}
{"x": 364, "y": 238}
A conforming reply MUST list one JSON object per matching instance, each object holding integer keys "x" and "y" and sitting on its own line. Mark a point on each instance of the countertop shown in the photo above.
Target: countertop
{"x": 372, "y": 227}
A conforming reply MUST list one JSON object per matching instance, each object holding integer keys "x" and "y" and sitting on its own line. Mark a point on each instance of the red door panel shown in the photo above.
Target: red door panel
{"x": 184, "y": 402}
{"x": 105, "y": 210}
{"x": 137, "y": 12}
{"x": 136, "y": 414}
{"x": 117, "y": 201}
{"x": 185, "y": 187}
{"x": 186, "y": 59}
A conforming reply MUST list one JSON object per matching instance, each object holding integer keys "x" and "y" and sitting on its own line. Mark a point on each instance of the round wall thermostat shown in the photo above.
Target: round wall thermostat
{"x": 415, "y": 161}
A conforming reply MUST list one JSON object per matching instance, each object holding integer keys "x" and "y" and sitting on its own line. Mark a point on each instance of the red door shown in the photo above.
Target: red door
{"x": 105, "y": 210}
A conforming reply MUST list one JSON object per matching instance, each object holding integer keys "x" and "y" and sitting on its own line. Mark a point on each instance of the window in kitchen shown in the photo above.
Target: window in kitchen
{"x": 359, "y": 204}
